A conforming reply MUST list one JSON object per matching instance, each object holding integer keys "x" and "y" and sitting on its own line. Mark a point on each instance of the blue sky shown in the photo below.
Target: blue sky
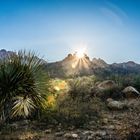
{"x": 109, "y": 29}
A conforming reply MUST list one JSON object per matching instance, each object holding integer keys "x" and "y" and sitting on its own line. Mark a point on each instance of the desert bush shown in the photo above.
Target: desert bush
{"x": 137, "y": 82}
{"x": 114, "y": 93}
{"x": 86, "y": 88}
{"x": 72, "y": 107}
{"x": 127, "y": 80}
{"x": 77, "y": 113}
{"x": 23, "y": 85}
{"x": 81, "y": 87}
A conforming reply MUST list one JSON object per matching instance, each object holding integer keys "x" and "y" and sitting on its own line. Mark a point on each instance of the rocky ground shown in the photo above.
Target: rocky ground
{"x": 114, "y": 125}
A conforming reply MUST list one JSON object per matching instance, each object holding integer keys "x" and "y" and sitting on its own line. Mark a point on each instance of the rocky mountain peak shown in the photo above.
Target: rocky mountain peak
{"x": 98, "y": 62}
{"x": 74, "y": 57}
{"x": 131, "y": 64}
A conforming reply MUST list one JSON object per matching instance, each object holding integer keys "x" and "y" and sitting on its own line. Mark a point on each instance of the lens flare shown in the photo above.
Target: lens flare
{"x": 56, "y": 88}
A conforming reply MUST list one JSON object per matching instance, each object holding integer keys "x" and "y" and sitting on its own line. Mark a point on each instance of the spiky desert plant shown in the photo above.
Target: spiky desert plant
{"x": 23, "y": 84}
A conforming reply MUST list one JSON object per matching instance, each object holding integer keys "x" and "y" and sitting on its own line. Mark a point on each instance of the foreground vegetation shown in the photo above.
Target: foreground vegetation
{"x": 23, "y": 85}
{"x": 30, "y": 101}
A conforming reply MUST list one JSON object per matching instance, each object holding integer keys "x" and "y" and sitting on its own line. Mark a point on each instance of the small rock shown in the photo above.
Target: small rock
{"x": 101, "y": 133}
{"x": 92, "y": 123}
{"x": 115, "y": 105}
{"x": 89, "y": 138}
{"x": 87, "y": 132}
{"x": 105, "y": 121}
{"x": 59, "y": 134}
{"x": 98, "y": 138}
{"x": 48, "y": 131}
{"x": 71, "y": 135}
{"x": 71, "y": 128}
{"x": 59, "y": 129}
{"x": 75, "y": 135}
{"x": 67, "y": 135}
{"x": 118, "y": 127}
{"x": 112, "y": 127}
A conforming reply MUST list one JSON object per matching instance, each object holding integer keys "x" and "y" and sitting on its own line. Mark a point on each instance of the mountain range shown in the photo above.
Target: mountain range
{"x": 71, "y": 66}
{"x": 74, "y": 66}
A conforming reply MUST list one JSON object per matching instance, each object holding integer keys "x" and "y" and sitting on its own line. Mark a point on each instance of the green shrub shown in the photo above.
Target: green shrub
{"x": 114, "y": 93}
{"x": 73, "y": 107}
{"x": 71, "y": 112}
{"x": 23, "y": 85}
{"x": 76, "y": 112}
{"x": 137, "y": 82}
{"x": 81, "y": 87}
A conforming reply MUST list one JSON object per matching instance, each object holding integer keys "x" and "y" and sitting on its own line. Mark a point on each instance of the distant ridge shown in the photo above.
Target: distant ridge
{"x": 95, "y": 66}
{"x": 4, "y": 53}
{"x": 71, "y": 66}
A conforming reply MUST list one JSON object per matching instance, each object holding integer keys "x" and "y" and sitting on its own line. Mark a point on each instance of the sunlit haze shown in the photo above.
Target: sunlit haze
{"x": 81, "y": 52}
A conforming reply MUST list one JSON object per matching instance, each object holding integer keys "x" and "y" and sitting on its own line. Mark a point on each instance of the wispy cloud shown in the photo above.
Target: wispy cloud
{"x": 114, "y": 13}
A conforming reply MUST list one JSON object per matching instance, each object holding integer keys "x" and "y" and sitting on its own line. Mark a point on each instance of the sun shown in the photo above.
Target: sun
{"x": 80, "y": 53}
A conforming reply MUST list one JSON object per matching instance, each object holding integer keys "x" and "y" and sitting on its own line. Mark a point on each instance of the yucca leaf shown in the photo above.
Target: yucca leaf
{"x": 22, "y": 106}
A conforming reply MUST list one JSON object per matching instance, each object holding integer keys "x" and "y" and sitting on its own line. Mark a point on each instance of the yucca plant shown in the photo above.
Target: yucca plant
{"x": 23, "y": 84}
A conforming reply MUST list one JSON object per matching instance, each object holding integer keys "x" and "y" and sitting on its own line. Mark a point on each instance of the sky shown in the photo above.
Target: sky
{"x": 107, "y": 29}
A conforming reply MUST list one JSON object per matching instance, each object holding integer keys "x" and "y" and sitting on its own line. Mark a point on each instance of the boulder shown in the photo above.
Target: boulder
{"x": 105, "y": 85}
{"x": 115, "y": 105}
{"x": 130, "y": 92}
